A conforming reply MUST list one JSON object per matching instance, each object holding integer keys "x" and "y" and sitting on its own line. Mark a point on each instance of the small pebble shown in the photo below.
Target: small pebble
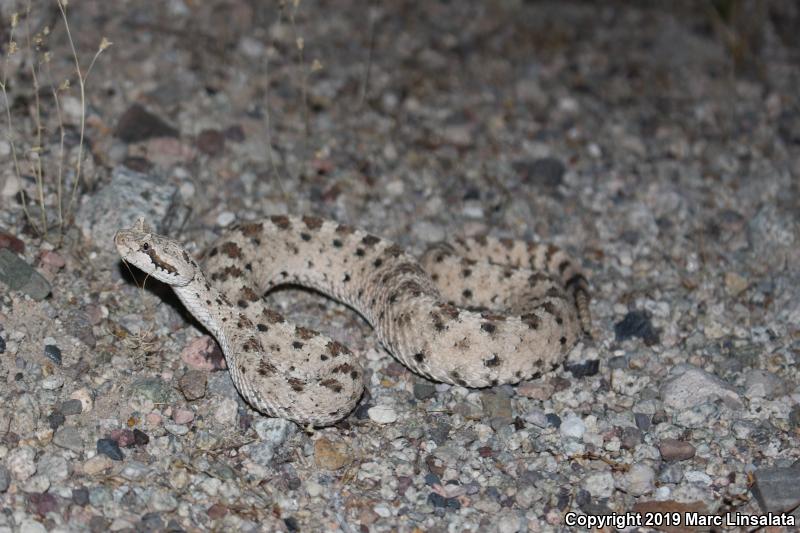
{"x": 675, "y": 450}
{"x": 53, "y": 353}
{"x": 20, "y": 463}
{"x": 424, "y": 390}
{"x": 572, "y": 427}
{"x": 382, "y": 414}
{"x": 55, "y": 420}
{"x": 97, "y": 464}
{"x": 776, "y": 489}
{"x": 193, "y": 384}
{"x": 331, "y": 455}
{"x": 183, "y": 416}
{"x": 642, "y": 421}
{"x": 636, "y": 324}
{"x": 177, "y": 429}
{"x": 80, "y": 496}
{"x": 225, "y": 218}
{"x": 630, "y": 438}
{"x": 38, "y": 483}
{"x": 69, "y": 438}
{"x": 211, "y": 142}
{"x": 71, "y": 407}
{"x": 110, "y": 449}
{"x": 554, "y": 420}
{"x": 203, "y": 353}
{"x": 5, "y": 478}
{"x": 140, "y": 438}
{"x": 639, "y": 479}
{"x": 53, "y": 382}
{"x": 123, "y": 437}
{"x": 585, "y": 369}
{"x": 137, "y": 124}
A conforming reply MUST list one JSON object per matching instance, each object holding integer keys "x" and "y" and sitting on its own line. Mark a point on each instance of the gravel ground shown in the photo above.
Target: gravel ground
{"x": 658, "y": 145}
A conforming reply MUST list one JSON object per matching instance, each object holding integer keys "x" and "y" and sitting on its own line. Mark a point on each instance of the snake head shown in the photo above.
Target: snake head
{"x": 155, "y": 255}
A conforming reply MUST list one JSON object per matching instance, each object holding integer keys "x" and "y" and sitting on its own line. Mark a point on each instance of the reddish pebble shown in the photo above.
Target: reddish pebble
{"x": 203, "y": 354}
{"x": 94, "y": 313}
{"x": 485, "y": 451}
{"x": 123, "y": 437}
{"x": 52, "y": 261}
{"x": 217, "y": 511}
{"x": 182, "y": 416}
{"x": 43, "y": 503}
{"x": 12, "y": 243}
{"x": 211, "y": 142}
{"x": 153, "y": 419}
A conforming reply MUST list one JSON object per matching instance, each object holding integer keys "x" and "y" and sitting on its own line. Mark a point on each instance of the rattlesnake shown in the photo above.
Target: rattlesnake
{"x": 524, "y": 306}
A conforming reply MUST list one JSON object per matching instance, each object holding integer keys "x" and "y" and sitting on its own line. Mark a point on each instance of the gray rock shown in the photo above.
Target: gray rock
{"x": 497, "y": 408}
{"x": 179, "y": 430}
{"x": 5, "y": 478}
{"x": 273, "y": 432}
{"x": 537, "y": 417}
{"x": 424, "y": 390}
{"x": 71, "y": 407}
{"x": 69, "y": 438}
{"x": 762, "y": 384}
{"x": 794, "y": 416}
{"x": 154, "y": 389}
{"x": 691, "y": 386}
{"x": 54, "y": 467}
{"x": 18, "y": 275}
{"x": 546, "y": 173}
{"x": 193, "y": 384}
{"x": 134, "y": 470}
{"x": 777, "y": 489}
{"x": 671, "y": 473}
{"x": 128, "y": 196}
{"x": 138, "y": 124}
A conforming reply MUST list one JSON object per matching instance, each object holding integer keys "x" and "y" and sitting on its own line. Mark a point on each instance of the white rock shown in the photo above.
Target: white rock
{"x": 225, "y": 218}
{"x": 20, "y": 463}
{"x": 12, "y": 186}
{"x": 572, "y": 427}
{"x": 508, "y": 522}
{"x": 639, "y": 480}
{"x": 226, "y": 412}
{"x": 274, "y": 430}
{"x": 314, "y": 489}
{"x": 599, "y": 484}
{"x": 382, "y": 510}
{"x": 52, "y": 382}
{"x": 382, "y": 414}
{"x": 32, "y": 526}
{"x": 691, "y": 386}
{"x": 37, "y": 483}
{"x": 697, "y": 476}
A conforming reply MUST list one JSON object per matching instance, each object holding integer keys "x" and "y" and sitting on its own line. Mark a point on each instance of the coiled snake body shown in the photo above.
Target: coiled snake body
{"x": 474, "y": 312}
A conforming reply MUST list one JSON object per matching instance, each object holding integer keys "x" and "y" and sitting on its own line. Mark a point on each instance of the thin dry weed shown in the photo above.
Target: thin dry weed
{"x": 32, "y": 145}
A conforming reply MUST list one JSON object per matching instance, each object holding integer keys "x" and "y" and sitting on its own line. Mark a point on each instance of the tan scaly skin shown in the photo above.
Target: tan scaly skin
{"x": 523, "y": 308}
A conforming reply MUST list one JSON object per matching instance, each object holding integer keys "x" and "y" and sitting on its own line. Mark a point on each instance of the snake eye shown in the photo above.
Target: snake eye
{"x": 145, "y": 247}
